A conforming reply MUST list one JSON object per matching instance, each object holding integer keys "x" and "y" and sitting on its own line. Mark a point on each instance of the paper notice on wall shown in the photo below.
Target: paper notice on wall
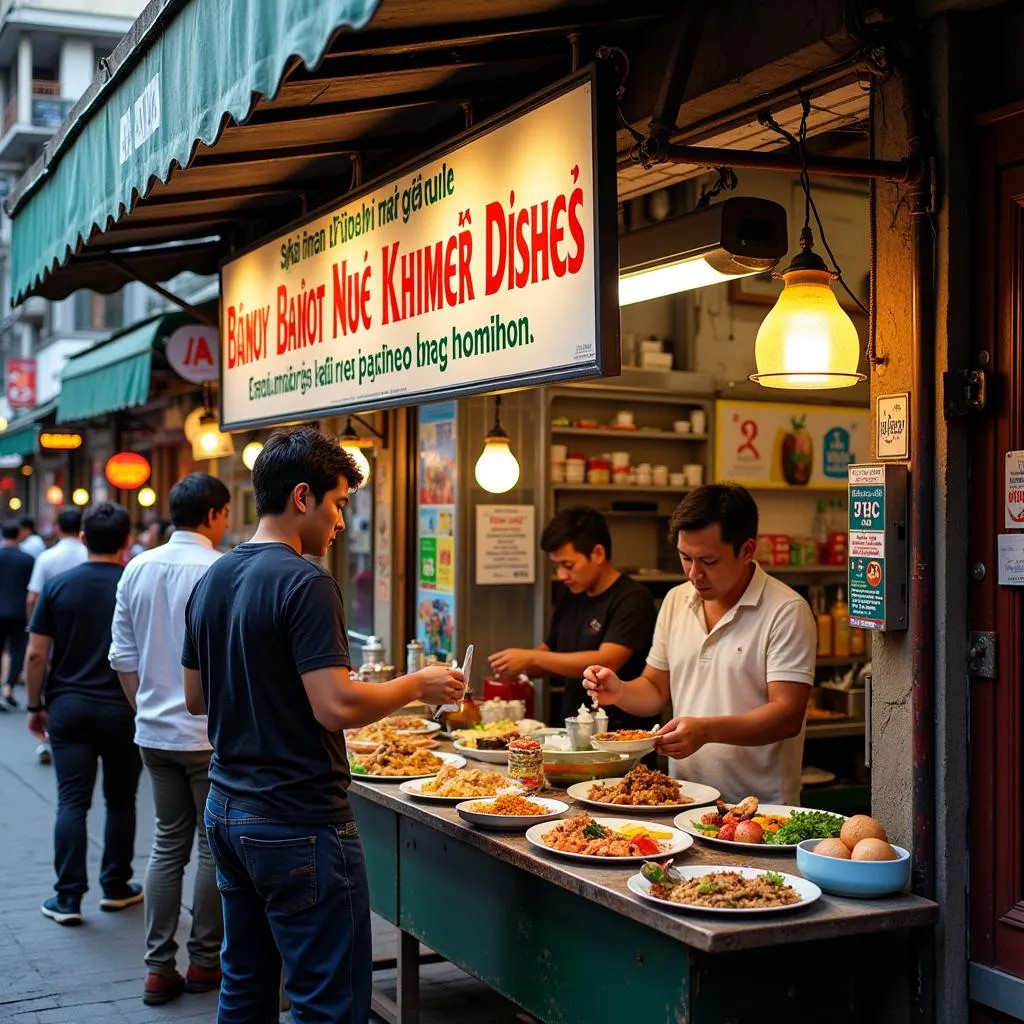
{"x": 1011, "y": 559}
{"x": 1013, "y": 496}
{"x": 505, "y": 544}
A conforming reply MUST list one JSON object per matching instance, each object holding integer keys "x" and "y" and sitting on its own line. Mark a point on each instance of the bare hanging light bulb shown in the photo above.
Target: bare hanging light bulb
{"x": 497, "y": 469}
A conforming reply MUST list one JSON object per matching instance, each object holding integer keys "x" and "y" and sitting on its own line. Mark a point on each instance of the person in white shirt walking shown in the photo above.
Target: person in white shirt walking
{"x": 68, "y": 553}
{"x": 733, "y": 654}
{"x": 147, "y": 637}
{"x": 28, "y": 540}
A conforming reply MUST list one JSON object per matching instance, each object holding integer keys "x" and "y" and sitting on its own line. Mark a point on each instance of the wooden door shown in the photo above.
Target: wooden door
{"x": 997, "y": 704}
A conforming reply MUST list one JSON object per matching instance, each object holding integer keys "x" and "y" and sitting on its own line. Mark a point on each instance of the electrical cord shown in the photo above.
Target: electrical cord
{"x": 799, "y": 146}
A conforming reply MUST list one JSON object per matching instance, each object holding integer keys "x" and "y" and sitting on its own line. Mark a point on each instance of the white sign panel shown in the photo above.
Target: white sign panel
{"x": 479, "y": 269}
{"x": 505, "y": 544}
{"x": 1013, "y": 497}
{"x": 892, "y": 426}
{"x": 1011, "y": 559}
{"x": 194, "y": 353}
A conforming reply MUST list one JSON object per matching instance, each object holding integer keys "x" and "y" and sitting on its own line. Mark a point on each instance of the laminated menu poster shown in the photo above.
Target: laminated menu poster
{"x": 783, "y": 446}
{"x": 436, "y": 491}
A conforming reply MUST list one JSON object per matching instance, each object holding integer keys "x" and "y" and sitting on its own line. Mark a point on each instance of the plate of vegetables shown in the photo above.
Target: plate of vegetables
{"x": 751, "y": 823}
{"x": 721, "y": 890}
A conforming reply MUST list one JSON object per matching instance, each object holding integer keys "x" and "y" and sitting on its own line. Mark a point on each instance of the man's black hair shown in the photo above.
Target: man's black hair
{"x": 194, "y": 497}
{"x": 730, "y": 505}
{"x": 293, "y": 457}
{"x": 69, "y": 522}
{"x": 582, "y": 527}
{"x": 11, "y": 529}
{"x": 106, "y": 527}
{"x": 27, "y": 523}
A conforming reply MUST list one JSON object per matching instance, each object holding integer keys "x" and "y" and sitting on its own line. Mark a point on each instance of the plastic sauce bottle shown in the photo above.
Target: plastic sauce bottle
{"x": 858, "y": 642}
{"x": 841, "y": 626}
{"x": 824, "y": 621}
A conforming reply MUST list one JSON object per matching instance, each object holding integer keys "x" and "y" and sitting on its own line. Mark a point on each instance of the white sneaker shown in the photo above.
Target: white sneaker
{"x": 43, "y": 754}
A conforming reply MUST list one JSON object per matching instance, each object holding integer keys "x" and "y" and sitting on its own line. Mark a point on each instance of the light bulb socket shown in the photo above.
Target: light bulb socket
{"x": 807, "y": 258}
{"x": 497, "y": 433}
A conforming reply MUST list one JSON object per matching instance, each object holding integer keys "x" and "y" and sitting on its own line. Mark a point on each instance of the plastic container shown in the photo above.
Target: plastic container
{"x": 865, "y": 879}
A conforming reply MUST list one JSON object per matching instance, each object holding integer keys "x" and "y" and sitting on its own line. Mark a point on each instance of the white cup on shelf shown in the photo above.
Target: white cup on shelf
{"x": 693, "y": 473}
{"x": 698, "y": 421}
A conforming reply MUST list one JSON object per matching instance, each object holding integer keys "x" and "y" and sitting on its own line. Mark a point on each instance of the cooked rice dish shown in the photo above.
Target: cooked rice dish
{"x": 400, "y": 722}
{"x": 625, "y": 735}
{"x": 569, "y": 837}
{"x": 379, "y": 733}
{"x": 465, "y": 782}
{"x": 400, "y": 759}
{"x": 511, "y": 804}
{"x": 641, "y": 788}
{"x": 727, "y": 889}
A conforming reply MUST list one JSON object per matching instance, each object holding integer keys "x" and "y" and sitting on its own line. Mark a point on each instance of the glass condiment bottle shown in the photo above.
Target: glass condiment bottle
{"x": 466, "y": 717}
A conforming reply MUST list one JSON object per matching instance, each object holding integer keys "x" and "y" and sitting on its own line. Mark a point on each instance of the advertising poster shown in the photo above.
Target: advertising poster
{"x": 783, "y": 447}
{"x": 435, "y": 491}
{"x": 1013, "y": 496}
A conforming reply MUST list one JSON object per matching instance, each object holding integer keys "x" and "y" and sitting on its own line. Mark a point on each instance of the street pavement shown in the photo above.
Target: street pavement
{"x": 55, "y": 975}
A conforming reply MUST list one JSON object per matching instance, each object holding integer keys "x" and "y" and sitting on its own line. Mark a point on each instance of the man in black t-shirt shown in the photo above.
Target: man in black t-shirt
{"x": 87, "y": 717}
{"x": 266, "y": 657}
{"x": 15, "y": 572}
{"x": 603, "y": 611}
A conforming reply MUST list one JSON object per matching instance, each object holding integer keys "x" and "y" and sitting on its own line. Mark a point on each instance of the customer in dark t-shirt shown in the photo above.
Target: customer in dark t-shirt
{"x": 15, "y": 572}
{"x": 87, "y": 716}
{"x": 266, "y": 657}
{"x": 603, "y": 611}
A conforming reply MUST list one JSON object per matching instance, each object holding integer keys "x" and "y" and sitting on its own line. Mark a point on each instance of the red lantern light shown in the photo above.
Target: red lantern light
{"x": 127, "y": 471}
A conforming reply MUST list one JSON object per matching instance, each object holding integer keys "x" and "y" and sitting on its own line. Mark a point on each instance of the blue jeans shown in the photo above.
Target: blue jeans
{"x": 295, "y": 894}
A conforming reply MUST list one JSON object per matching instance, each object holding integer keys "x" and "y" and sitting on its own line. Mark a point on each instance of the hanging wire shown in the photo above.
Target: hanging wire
{"x": 799, "y": 146}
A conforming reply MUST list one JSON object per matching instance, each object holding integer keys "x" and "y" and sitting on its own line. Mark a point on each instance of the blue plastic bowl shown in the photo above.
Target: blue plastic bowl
{"x": 861, "y": 878}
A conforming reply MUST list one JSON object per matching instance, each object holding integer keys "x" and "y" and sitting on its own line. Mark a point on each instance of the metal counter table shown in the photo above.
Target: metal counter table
{"x": 570, "y": 944}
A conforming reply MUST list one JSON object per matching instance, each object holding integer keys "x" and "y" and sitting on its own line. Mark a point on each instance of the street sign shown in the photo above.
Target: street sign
{"x": 877, "y": 547}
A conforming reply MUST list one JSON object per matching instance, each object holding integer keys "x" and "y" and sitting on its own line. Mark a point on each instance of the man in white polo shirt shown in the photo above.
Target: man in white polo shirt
{"x": 733, "y": 654}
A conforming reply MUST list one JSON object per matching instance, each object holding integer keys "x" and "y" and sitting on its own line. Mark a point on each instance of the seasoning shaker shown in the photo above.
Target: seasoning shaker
{"x": 415, "y": 656}
{"x": 600, "y": 717}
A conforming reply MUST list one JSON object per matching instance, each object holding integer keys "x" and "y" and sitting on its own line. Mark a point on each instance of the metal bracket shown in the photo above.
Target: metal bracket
{"x": 964, "y": 393}
{"x": 982, "y": 657}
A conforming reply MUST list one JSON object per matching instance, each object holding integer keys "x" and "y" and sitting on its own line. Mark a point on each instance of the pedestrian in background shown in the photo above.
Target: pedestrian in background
{"x": 28, "y": 540}
{"x": 87, "y": 717}
{"x": 266, "y": 650}
{"x": 147, "y": 637}
{"x": 15, "y": 572}
{"x": 68, "y": 552}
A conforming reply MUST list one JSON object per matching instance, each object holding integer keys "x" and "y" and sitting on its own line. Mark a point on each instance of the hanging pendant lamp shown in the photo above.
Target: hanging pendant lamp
{"x": 497, "y": 469}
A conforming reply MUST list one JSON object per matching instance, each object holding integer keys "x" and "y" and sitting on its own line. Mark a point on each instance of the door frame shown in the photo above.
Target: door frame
{"x": 996, "y": 816}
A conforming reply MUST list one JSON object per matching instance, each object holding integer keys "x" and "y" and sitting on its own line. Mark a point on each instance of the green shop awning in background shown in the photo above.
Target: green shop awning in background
{"x": 182, "y": 69}
{"x": 22, "y": 435}
{"x": 115, "y": 374}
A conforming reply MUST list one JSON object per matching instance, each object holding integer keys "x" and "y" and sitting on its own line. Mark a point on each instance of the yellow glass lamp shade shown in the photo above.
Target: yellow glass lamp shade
{"x": 208, "y": 442}
{"x": 807, "y": 341}
{"x": 497, "y": 469}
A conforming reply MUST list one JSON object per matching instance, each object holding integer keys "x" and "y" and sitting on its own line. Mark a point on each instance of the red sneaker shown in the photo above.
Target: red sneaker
{"x": 202, "y": 979}
{"x": 160, "y": 989}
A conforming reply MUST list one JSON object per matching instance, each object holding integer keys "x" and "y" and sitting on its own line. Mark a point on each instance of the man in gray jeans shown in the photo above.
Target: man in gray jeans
{"x": 147, "y": 636}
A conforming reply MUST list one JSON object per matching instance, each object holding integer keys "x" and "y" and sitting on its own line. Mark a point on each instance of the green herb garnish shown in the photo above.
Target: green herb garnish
{"x": 708, "y": 830}
{"x": 774, "y": 877}
{"x": 595, "y": 831}
{"x": 708, "y": 888}
{"x": 806, "y": 825}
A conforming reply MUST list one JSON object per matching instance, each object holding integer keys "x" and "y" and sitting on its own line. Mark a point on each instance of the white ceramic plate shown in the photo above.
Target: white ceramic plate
{"x": 686, "y": 819}
{"x": 807, "y": 891}
{"x": 510, "y": 822}
{"x": 490, "y": 756}
{"x": 452, "y": 759}
{"x": 701, "y": 795}
{"x": 423, "y": 730}
{"x": 679, "y": 842}
{"x": 369, "y": 746}
{"x": 623, "y": 746}
{"x": 414, "y": 788}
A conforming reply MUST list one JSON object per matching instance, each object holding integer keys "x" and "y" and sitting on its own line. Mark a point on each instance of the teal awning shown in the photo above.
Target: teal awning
{"x": 183, "y": 70}
{"x": 22, "y": 434}
{"x": 115, "y": 374}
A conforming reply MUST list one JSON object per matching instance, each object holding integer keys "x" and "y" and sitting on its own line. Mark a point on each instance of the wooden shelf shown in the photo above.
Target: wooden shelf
{"x": 797, "y": 489}
{"x": 834, "y": 730}
{"x": 624, "y": 489}
{"x": 809, "y": 570}
{"x": 646, "y": 435}
{"x": 658, "y": 577}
